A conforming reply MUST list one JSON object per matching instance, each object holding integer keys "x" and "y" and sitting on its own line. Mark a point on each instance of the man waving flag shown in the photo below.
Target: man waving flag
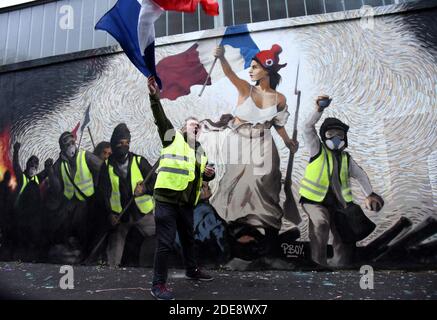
{"x": 131, "y": 23}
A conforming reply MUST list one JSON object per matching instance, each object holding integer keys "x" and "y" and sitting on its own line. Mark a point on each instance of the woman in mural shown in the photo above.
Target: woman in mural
{"x": 249, "y": 184}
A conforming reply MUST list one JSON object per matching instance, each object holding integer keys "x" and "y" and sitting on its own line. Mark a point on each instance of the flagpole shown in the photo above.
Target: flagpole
{"x": 209, "y": 75}
{"x": 80, "y": 140}
{"x": 91, "y": 136}
{"x": 291, "y": 212}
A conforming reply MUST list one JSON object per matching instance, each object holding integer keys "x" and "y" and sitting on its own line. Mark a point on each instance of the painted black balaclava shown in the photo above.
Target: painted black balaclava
{"x": 335, "y": 142}
{"x": 121, "y": 132}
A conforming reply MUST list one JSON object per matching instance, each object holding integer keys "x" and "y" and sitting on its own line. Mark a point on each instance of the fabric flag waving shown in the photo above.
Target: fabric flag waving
{"x": 210, "y": 7}
{"x": 85, "y": 123}
{"x": 86, "y": 120}
{"x": 131, "y": 23}
{"x": 74, "y": 131}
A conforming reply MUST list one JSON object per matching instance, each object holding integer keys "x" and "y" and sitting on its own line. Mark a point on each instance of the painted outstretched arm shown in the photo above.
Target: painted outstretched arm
{"x": 242, "y": 86}
{"x": 310, "y": 137}
{"x": 360, "y": 175}
{"x": 373, "y": 201}
{"x": 289, "y": 142}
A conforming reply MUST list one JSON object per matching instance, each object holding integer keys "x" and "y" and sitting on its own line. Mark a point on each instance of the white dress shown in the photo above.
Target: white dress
{"x": 248, "y": 177}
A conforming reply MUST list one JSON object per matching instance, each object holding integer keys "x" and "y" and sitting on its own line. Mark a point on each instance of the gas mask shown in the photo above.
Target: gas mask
{"x": 67, "y": 143}
{"x": 335, "y": 139}
{"x": 335, "y": 143}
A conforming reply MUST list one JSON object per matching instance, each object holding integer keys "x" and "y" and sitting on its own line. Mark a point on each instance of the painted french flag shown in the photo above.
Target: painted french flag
{"x": 131, "y": 23}
{"x": 239, "y": 37}
{"x": 182, "y": 71}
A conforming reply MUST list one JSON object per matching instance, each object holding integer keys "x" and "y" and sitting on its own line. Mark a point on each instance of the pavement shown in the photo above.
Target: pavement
{"x": 42, "y": 281}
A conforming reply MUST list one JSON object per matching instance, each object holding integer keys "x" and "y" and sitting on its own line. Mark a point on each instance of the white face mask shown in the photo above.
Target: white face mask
{"x": 71, "y": 151}
{"x": 335, "y": 143}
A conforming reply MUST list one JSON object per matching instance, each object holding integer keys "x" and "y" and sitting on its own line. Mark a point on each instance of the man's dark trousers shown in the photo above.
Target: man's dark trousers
{"x": 169, "y": 218}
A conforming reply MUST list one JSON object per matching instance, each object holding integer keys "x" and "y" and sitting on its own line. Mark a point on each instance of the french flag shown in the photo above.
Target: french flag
{"x": 131, "y": 23}
{"x": 182, "y": 71}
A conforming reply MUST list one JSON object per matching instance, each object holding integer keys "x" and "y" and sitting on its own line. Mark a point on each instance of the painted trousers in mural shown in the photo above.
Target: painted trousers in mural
{"x": 70, "y": 221}
{"x": 117, "y": 238}
{"x": 320, "y": 224}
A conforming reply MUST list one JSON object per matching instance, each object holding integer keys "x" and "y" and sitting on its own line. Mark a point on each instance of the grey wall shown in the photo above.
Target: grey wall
{"x": 34, "y": 32}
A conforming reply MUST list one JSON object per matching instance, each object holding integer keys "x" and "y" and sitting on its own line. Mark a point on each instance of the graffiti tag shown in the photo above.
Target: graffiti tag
{"x": 292, "y": 250}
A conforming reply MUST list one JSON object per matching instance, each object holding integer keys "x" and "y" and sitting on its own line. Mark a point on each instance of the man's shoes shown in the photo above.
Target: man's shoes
{"x": 199, "y": 275}
{"x": 161, "y": 292}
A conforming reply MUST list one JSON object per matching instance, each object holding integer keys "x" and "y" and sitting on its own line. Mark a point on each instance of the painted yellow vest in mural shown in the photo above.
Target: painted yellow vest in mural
{"x": 143, "y": 203}
{"x": 315, "y": 183}
{"x": 177, "y": 166}
{"x": 83, "y": 179}
{"x": 26, "y": 182}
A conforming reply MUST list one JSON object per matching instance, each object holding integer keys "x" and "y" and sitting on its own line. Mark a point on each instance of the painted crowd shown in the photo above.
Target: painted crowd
{"x": 82, "y": 206}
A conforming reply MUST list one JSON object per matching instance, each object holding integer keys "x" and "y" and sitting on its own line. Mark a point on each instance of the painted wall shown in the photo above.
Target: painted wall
{"x": 383, "y": 82}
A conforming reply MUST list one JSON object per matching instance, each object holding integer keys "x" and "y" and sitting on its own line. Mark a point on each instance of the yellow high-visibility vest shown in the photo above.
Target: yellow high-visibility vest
{"x": 26, "y": 181}
{"x": 315, "y": 184}
{"x": 144, "y": 203}
{"x": 83, "y": 178}
{"x": 177, "y": 166}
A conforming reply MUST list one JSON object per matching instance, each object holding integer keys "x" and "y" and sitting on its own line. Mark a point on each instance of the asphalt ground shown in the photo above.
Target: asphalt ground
{"x": 43, "y": 282}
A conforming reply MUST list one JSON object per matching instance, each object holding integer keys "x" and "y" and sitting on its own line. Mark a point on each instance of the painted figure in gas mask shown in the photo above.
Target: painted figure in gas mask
{"x": 28, "y": 205}
{"x": 72, "y": 182}
{"x": 121, "y": 178}
{"x": 326, "y": 186}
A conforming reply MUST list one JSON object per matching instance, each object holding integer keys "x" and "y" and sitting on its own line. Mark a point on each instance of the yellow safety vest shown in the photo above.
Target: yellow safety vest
{"x": 26, "y": 181}
{"x": 83, "y": 178}
{"x": 144, "y": 203}
{"x": 177, "y": 166}
{"x": 315, "y": 184}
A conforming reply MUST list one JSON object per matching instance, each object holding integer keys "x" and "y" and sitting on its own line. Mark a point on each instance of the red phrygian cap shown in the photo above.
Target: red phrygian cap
{"x": 270, "y": 58}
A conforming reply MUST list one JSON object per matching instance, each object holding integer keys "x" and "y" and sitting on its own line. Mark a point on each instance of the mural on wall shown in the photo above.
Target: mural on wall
{"x": 382, "y": 84}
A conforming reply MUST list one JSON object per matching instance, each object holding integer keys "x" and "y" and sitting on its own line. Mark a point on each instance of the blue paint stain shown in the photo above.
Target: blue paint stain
{"x": 207, "y": 225}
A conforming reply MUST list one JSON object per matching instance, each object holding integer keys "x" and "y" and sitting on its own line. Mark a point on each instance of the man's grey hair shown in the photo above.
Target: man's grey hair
{"x": 184, "y": 126}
